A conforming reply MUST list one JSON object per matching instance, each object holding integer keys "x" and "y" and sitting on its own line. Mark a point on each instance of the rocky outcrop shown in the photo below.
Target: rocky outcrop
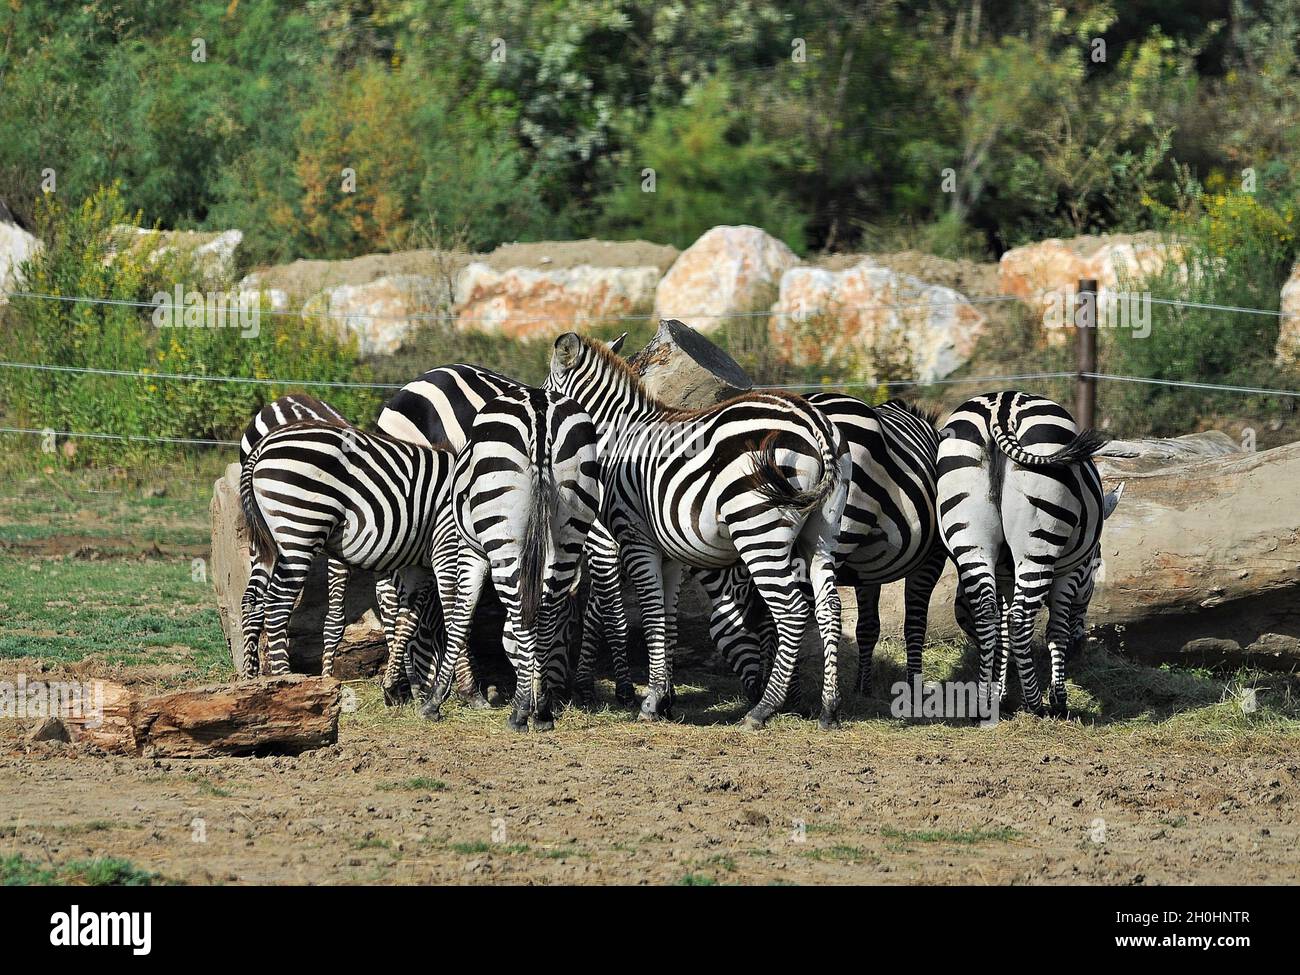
{"x": 210, "y": 255}
{"x": 1288, "y": 339}
{"x": 380, "y": 314}
{"x": 728, "y": 271}
{"x": 872, "y": 322}
{"x": 522, "y": 302}
{"x": 16, "y": 246}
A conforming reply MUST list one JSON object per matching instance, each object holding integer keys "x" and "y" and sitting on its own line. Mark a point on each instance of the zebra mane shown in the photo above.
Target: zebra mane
{"x": 929, "y": 417}
{"x": 671, "y": 412}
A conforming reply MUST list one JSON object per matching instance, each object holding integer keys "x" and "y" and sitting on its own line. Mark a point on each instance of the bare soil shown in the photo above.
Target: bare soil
{"x": 604, "y": 799}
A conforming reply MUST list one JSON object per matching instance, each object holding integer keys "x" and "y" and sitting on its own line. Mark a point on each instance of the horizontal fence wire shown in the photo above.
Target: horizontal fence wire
{"x": 124, "y": 437}
{"x": 462, "y": 319}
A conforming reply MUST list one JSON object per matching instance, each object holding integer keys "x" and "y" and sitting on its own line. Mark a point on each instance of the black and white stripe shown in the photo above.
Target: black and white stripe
{"x": 888, "y": 532}
{"x": 759, "y": 480}
{"x": 291, "y": 408}
{"x": 1021, "y": 511}
{"x": 440, "y": 407}
{"x": 366, "y": 500}
{"x": 526, "y": 490}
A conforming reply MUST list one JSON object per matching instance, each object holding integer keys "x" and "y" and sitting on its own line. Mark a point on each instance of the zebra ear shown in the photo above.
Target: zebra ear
{"x": 616, "y": 344}
{"x": 567, "y": 347}
{"x": 1111, "y": 499}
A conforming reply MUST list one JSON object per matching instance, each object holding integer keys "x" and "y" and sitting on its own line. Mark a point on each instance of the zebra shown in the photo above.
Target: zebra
{"x": 291, "y": 408}
{"x": 1021, "y": 511}
{"x": 367, "y": 500}
{"x": 759, "y": 479}
{"x": 439, "y": 407}
{"x": 889, "y": 531}
{"x": 526, "y": 490}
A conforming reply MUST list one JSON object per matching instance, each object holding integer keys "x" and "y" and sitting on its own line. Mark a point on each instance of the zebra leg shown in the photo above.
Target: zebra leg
{"x": 730, "y": 595}
{"x": 1025, "y": 604}
{"x": 781, "y": 580}
{"x": 252, "y": 615}
{"x": 337, "y": 586}
{"x": 282, "y": 591}
{"x": 868, "y": 633}
{"x": 1060, "y": 621}
{"x": 427, "y": 643}
{"x": 645, "y": 566}
{"x": 606, "y": 618}
{"x": 978, "y": 614}
{"x": 826, "y": 603}
{"x": 917, "y": 590}
{"x": 471, "y": 573}
{"x": 395, "y": 687}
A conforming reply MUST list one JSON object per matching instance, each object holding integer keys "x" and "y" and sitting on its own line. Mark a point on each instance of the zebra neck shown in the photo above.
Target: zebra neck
{"x": 622, "y": 401}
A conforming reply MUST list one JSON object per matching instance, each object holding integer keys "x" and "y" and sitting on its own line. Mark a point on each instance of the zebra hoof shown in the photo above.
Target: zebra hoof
{"x": 829, "y": 720}
{"x": 656, "y": 706}
{"x": 755, "y": 720}
{"x": 396, "y": 696}
{"x": 476, "y": 701}
{"x": 1058, "y": 708}
{"x": 625, "y": 695}
{"x": 518, "y": 721}
{"x": 543, "y": 724}
{"x": 430, "y": 710}
{"x": 584, "y": 696}
{"x": 495, "y": 698}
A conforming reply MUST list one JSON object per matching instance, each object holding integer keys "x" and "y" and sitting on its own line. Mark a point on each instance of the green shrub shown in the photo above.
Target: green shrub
{"x": 81, "y": 259}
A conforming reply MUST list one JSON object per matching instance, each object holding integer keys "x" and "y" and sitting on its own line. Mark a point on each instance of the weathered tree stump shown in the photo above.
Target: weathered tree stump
{"x": 275, "y": 715}
{"x": 682, "y": 368}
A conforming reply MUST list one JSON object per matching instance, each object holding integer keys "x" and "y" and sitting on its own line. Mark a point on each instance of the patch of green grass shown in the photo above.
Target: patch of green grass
{"x": 697, "y": 880}
{"x": 418, "y": 784}
{"x": 966, "y": 837}
{"x": 373, "y": 843}
{"x": 560, "y": 853}
{"x": 92, "y": 826}
{"x": 840, "y": 852}
{"x": 127, "y": 611}
{"x": 479, "y": 846}
{"x": 210, "y": 788}
{"x": 18, "y": 871}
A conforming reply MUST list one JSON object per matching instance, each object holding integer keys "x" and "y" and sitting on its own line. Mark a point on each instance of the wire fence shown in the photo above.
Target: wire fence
{"x": 791, "y": 387}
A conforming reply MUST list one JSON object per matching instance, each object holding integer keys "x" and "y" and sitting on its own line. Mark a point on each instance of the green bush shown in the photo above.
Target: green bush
{"x": 80, "y": 258}
{"x": 1237, "y": 249}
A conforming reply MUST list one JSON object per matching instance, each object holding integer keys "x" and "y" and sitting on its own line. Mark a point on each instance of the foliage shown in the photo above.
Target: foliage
{"x": 84, "y": 256}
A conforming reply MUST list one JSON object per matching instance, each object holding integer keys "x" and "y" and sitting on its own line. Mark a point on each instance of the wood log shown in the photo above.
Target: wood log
{"x": 682, "y": 368}
{"x": 274, "y": 715}
{"x": 1201, "y": 562}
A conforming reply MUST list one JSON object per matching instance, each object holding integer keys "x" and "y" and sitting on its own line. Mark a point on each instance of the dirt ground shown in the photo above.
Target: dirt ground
{"x": 605, "y": 799}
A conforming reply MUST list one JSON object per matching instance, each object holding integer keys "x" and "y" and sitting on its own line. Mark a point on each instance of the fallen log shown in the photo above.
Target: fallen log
{"x": 275, "y": 715}
{"x": 1200, "y": 562}
{"x": 682, "y": 368}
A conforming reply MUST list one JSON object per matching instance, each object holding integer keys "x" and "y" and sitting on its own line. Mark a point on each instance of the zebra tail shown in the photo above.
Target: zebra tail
{"x": 537, "y": 533}
{"x": 1083, "y": 446}
{"x": 776, "y": 487}
{"x": 263, "y": 543}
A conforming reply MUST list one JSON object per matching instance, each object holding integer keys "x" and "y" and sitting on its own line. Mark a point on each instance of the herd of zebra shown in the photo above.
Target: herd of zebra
{"x": 769, "y": 499}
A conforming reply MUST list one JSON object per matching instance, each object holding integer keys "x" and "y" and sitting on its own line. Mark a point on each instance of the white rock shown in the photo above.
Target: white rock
{"x": 379, "y": 313}
{"x": 16, "y": 246}
{"x": 729, "y": 271}
{"x": 522, "y": 302}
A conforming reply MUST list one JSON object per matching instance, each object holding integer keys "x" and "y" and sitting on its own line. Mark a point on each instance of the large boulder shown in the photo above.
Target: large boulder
{"x": 1048, "y": 269}
{"x": 16, "y": 246}
{"x": 380, "y": 314}
{"x": 871, "y": 321}
{"x": 729, "y": 271}
{"x": 1288, "y": 339}
{"x": 523, "y": 302}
